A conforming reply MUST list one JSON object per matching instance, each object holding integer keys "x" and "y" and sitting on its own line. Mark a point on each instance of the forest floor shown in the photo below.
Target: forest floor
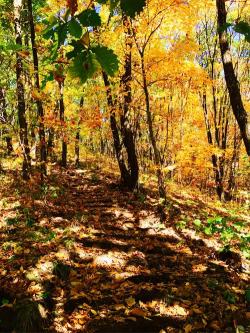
{"x": 78, "y": 254}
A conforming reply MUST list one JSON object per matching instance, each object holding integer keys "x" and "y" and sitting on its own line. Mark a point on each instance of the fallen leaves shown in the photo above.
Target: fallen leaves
{"x": 107, "y": 280}
{"x": 137, "y": 312}
{"x": 215, "y": 325}
{"x": 130, "y": 301}
{"x": 188, "y": 328}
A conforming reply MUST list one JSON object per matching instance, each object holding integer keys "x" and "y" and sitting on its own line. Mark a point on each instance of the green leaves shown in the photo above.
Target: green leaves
{"x": 240, "y": 27}
{"x": 107, "y": 59}
{"x": 197, "y": 223}
{"x": 132, "y": 7}
{"x": 89, "y": 18}
{"x": 247, "y": 295}
{"x": 87, "y": 62}
{"x": 244, "y": 29}
{"x": 229, "y": 297}
{"x": 75, "y": 28}
{"x": 84, "y": 66}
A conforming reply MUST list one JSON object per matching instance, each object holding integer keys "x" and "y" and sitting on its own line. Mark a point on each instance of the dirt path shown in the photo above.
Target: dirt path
{"x": 99, "y": 259}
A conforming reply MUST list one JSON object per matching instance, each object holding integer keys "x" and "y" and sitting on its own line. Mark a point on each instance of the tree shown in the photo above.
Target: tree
{"x": 40, "y": 111}
{"x": 23, "y": 132}
{"x": 241, "y": 115}
{"x": 4, "y": 121}
{"x": 141, "y": 50}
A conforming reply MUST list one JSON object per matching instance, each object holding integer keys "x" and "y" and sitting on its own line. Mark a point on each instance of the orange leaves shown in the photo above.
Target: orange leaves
{"x": 37, "y": 95}
{"x": 24, "y": 53}
{"x": 59, "y": 77}
{"x": 137, "y": 312}
{"x": 72, "y": 5}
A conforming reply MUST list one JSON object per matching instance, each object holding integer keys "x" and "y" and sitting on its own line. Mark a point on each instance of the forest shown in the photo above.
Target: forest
{"x": 124, "y": 166}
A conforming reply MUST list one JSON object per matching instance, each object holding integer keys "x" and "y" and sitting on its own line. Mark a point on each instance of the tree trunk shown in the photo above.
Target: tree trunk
{"x": 115, "y": 133}
{"x": 126, "y": 130}
{"x": 50, "y": 144}
{"x": 23, "y": 132}
{"x": 241, "y": 115}
{"x": 77, "y": 140}
{"x": 217, "y": 170}
{"x": 234, "y": 165}
{"x": 40, "y": 110}
{"x": 157, "y": 157}
{"x": 4, "y": 120}
{"x": 62, "y": 110}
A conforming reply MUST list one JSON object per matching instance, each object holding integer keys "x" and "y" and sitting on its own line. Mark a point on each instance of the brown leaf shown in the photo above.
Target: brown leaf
{"x": 138, "y": 312}
{"x": 215, "y": 325}
{"x": 188, "y": 328}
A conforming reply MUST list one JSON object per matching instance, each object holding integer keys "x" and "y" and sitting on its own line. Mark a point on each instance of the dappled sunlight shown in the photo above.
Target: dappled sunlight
{"x": 175, "y": 310}
{"x": 200, "y": 268}
{"x": 111, "y": 263}
{"x": 62, "y": 254}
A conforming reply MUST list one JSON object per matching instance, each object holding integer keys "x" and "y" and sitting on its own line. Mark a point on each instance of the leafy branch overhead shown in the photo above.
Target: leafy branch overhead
{"x": 124, "y": 167}
{"x": 241, "y": 27}
{"x": 85, "y": 58}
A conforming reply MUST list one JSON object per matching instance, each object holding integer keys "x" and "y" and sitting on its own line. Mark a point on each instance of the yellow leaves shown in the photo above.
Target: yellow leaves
{"x": 76, "y": 284}
{"x": 93, "y": 312}
{"x": 232, "y": 307}
{"x": 85, "y": 40}
{"x": 37, "y": 95}
{"x": 169, "y": 168}
{"x": 42, "y": 311}
{"x": 197, "y": 310}
{"x": 24, "y": 54}
{"x": 119, "y": 307}
{"x": 188, "y": 328}
{"x": 62, "y": 254}
{"x": 130, "y": 301}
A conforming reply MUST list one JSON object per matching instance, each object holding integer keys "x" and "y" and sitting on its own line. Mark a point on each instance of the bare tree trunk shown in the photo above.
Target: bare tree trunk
{"x": 217, "y": 171}
{"x": 40, "y": 110}
{"x": 157, "y": 157}
{"x": 23, "y": 132}
{"x": 241, "y": 115}
{"x": 234, "y": 165}
{"x": 4, "y": 120}
{"x": 126, "y": 127}
{"x": 77, "y": 140}
{"x": 115, "y": 133}
{"x": 50, "y": 144}
{"x": 62, "y": 111}
{"x": 129, "y": 172}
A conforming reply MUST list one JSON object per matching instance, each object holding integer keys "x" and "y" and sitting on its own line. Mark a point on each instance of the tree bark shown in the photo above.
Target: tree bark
{"x": 23, "y": 127}
{"x": 77, "y": 139}
{"x": 40, "y": 110}
{"x": 157, "y": 157}
{"x": 126, "y": 130}
{"x": 115, "y": 133}
{"x": 216, "y": 165}
{"x": 4, "y": 120}
{"x": 241, "y": 115}
{"x": 62, "y": 114}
